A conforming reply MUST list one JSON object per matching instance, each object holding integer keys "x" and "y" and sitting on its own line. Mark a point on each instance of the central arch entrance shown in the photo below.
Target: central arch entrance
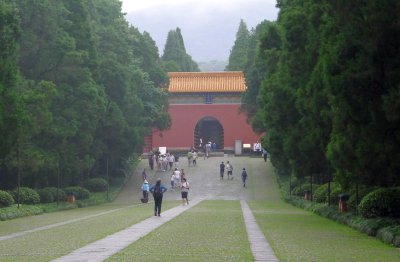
{"x": 209, "y": 129}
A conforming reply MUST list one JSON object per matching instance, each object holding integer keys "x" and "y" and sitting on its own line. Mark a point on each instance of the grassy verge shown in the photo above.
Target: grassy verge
{"x": 212, "y": 230}
{"x": 55, "y": 242}
{"x": 299, "y": 235}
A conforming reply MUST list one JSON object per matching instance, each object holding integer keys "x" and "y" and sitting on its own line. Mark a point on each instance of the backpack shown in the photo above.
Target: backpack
{"x": 157, "y": 191}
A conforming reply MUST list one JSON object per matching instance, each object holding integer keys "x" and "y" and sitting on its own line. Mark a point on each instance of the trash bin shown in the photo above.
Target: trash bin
{"x": 342, "y": 202}
{"x": 71, "y": 197}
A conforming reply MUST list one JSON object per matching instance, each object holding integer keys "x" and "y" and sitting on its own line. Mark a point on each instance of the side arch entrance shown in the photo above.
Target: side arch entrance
{"x": 209, "y": 129}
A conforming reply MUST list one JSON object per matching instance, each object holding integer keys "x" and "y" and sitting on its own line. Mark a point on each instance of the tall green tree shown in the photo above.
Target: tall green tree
{"x": 9, "y": 34}
{"x": 175, "y": 57}
{"x": 238, "y": 55}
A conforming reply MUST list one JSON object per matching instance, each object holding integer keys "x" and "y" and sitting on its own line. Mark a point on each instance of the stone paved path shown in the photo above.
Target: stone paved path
{"x": 258, "y": 244}
{"x": 204, "y": 186}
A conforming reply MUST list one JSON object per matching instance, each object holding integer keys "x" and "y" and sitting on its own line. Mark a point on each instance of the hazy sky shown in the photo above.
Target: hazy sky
{"x": 208, "y": 26}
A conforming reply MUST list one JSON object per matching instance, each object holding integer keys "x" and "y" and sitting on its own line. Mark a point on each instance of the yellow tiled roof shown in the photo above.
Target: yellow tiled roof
{"x": 199, "y": 82}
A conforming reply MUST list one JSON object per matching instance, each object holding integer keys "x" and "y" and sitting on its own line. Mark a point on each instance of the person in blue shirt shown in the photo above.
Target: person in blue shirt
{"x": 145, "y": 189}
{"x": 158, "y": 190}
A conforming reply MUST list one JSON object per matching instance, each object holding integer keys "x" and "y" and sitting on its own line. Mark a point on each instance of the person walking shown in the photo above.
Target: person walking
{"x": 145, "y": 191}
{"x": 158, "y": 190}
{"x": 185, "y": 191}
{"x": 194, "y": 158}
{"x": 144, "y": 175}
{"x": 244, "y": 177}
{"x": 222, "y": 170}
{"x": 173, "y": 181}
{"x": 229, "y": 169}
{"x": 265, "y": 154}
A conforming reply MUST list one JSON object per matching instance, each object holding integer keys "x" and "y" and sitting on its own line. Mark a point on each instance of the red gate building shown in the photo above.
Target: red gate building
{"x": 204, "y": 107}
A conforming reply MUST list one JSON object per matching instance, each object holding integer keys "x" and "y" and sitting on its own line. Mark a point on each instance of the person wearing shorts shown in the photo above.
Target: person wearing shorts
{"x": 184, "y": 191}
{"x": 229, "y": 169}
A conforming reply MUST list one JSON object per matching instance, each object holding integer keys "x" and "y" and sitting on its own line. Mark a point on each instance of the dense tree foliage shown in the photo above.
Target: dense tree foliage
{"x": 323, "y": 83}
{"x": 79, "y": 89}
{"x": 175, "y": 57}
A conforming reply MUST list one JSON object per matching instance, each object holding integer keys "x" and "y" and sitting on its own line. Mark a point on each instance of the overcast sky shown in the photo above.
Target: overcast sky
{"x": 208, "y": 26}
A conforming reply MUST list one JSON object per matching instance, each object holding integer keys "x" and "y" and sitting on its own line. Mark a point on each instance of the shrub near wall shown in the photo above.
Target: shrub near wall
{"x": 6, "y": 199}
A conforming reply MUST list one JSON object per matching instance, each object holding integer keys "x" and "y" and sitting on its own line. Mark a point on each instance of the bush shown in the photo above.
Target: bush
{"x": 79, "y": 192}
{"x": 6, "y": 199}
{"x": 46, "y": 196}
{"x": 321, "y": 193}
{"x": 26, "y": 196}
{"x": 61, "y": 194}
{"x": 363, "y": 190}
{"x": 383, "y": 202}
{"x": 97, "y": 184}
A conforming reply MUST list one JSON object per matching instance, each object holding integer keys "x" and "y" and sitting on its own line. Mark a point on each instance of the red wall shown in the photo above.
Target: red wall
{"x": 185, "y": 117}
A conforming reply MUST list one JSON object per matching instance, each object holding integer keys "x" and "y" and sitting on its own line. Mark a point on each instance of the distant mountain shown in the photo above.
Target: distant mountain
{"x": 208, "y": 31}
{"x": 212, "y": 66}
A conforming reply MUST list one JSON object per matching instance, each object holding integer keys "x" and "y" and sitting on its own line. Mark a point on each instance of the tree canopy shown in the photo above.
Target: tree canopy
{"x": 79, "y": 89}
{"x": 323, "y": 84}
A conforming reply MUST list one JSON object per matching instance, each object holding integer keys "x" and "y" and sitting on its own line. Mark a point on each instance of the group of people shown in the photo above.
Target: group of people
{"x": 163, "y": 162}
{"x": 178, "y": 180}
{"x": 229, "y": 169}
{"x": 192, "y": 157}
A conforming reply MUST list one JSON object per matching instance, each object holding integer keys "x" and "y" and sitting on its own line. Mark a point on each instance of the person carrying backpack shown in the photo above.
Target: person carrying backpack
{"x": 244, "y": 176}
{"x": 158, "y": 190}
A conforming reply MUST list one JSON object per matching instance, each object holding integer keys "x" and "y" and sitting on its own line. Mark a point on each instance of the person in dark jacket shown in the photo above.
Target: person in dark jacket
{"x": 244, "y": 177}
{"x": 158, "y": 190}
{"x": 222, "y": 170}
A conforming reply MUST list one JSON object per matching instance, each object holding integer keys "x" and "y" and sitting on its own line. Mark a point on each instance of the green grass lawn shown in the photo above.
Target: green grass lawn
{"x": 210, "y": 231}
{"x": 52, "y": 243}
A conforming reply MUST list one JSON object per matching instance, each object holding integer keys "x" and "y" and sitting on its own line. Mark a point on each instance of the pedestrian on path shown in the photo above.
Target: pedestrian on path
{"x": 158, "y": 190}
{"x": 173, "y": 181}
{"x": 185, "y": 191}
{"x": 229, "y": 169}
{"x": 265, "y": 154}
{"x": 144, "y": 175}
{"x": 244, "y": 176}
{"x": 222, "y": 170}
{"x": 183, "y": 175}
{"x": 145, "y": 191}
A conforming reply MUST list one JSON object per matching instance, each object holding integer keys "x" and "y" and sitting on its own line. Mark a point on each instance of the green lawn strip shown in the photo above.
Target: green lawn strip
{"x": 298, "y": 235}
{"x": 27, "y": 223}
{"x": 52, "y": 243}
{"x": 212, "y": 230}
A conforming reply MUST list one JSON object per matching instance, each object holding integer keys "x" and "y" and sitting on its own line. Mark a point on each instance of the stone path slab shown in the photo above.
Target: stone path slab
{"x": 108, "y": 246}
{"x": 258, "y": 244}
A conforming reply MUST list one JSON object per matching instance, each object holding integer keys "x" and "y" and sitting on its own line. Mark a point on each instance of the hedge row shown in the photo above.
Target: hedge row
{"x": 379, "y": 210}
{"x": 30, "y": 196}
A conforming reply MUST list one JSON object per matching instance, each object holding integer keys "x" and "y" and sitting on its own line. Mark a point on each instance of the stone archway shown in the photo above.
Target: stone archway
{"x": 209, "y": 129}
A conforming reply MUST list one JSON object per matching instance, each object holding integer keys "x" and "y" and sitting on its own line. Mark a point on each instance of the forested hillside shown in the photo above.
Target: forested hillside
{"x": 79, "y": 88}
{"x": 324, "y": 85}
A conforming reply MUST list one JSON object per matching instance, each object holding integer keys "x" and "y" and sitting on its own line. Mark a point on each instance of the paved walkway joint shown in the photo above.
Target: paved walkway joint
{"x": 258, "y": 244}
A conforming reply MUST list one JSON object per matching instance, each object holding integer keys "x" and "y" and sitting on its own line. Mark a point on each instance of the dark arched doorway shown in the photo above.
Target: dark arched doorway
{"x": 209, "y": 129}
